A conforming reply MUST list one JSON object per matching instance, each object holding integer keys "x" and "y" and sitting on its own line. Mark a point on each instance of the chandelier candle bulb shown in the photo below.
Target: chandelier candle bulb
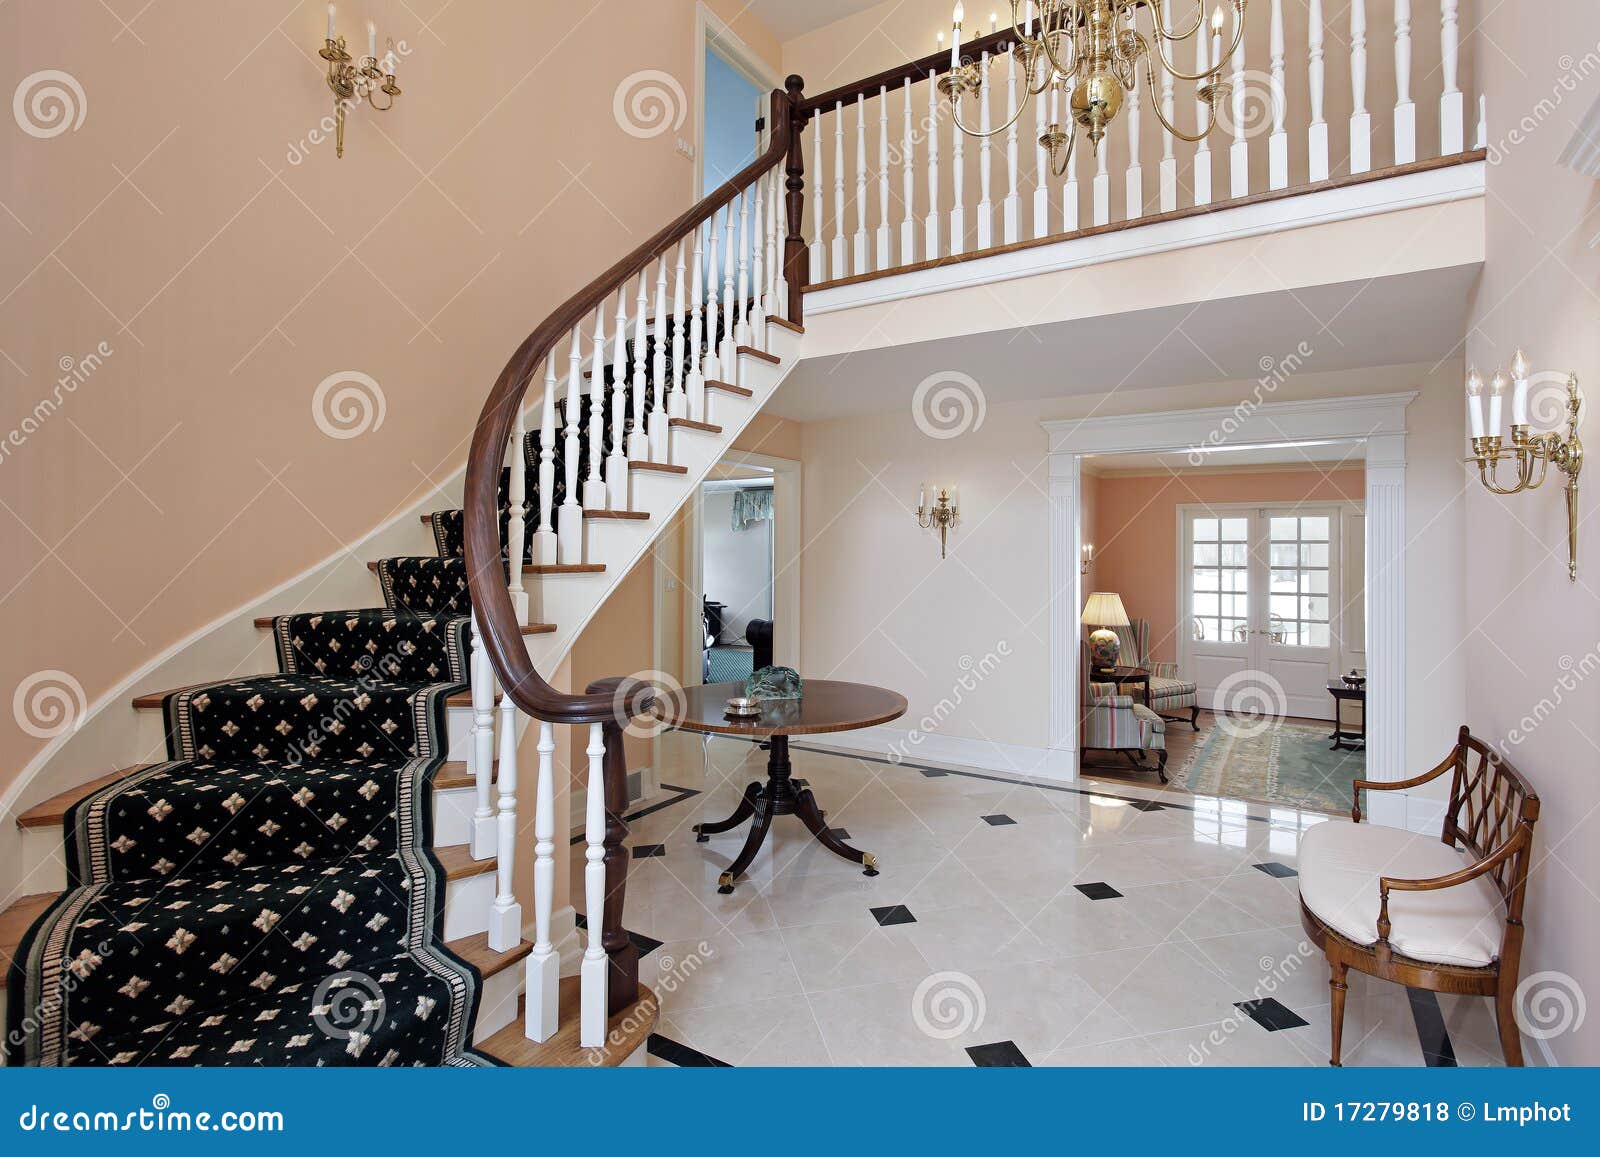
{"x": 955, "y": 40}
{"x": 1475, "y": 402}
{"x": 1497, "y": 393}
{"x": 1519, "y": 393}
{"x": 330, "y": 21}
{"x": 372, "y": 40}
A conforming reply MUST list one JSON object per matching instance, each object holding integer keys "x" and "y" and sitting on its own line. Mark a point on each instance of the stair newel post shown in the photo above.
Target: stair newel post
{"x": 623, "y": 955}
{"x": 1240, "y": 154}
{"x": 505, "y": 917}
{"x": 1405, "y": 109}
{"x": 930, "y": 223}
{"x": 985, "y": 205}
{"x": 617, "y": 460}
{"x": 655, "y": 422}
{"x": 711, "y": 367}
{"x": 695, "y": 383}
{"x": 755, "y": 316}
{"x": 569, "y": 521}
{"x": 677, "y": 399}
{"x": 1319, "y": 159}
{"x": 1360, "y": 118}
{"x": 542, "y": 975}
{"x": 638, "y": 445}
{"x": 594, "y": 972}
{"x": 1278, "y": 143}
{"x": 481, "y": 753}
{"x": 819, "y": 247}
{"x": 1169, "y": 162}
{"x": 792, "y": 276}
{"x": 729, "y": 344}
{"x": 594, "y": 486}
{"x": 516, "y": 515}
{"x": 544, "y": 539}
{"x": 838, "y": 258}
{"x": 1011, "y": 210}
{"x": 860, "y": 262}
{"x": 1452, "y": 106}
{"x": 884, "y": 261}
{"x": 1202, "y": 152}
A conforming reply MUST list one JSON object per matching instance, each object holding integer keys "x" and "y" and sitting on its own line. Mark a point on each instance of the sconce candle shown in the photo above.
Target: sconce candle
{"x": 352, "y": 81}
{"x": 1519, "y": 395}
{"x": 1497, "y": 393}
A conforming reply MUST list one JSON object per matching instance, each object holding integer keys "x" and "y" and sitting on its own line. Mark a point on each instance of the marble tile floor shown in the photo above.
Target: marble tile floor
{"x": 1105, "y": 924}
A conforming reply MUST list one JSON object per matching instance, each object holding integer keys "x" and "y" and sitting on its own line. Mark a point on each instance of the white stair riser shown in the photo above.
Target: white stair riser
{"x": 466, "y": 906}
{"x": 452, "y": 816}
{"x": 44, "y": 865}
{"x": 497, "y": 1006}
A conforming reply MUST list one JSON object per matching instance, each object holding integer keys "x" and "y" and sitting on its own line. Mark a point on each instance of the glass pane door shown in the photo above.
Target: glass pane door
{"x": 1219, "y": 593}
{"x": 1300, "y": 555}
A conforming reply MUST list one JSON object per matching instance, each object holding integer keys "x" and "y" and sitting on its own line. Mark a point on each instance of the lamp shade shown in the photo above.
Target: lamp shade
{"x": 1104, "y": 609}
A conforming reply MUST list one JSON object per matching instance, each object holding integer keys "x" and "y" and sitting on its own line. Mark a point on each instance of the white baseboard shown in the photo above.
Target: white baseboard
{"x": 901, "y": 746}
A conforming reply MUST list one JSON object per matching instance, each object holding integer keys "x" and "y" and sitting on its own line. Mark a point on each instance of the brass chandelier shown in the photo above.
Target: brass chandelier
{"x": 1090, "y": 50}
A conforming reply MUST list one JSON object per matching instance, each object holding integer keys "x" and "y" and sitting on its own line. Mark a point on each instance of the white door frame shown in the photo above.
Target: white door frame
{"x": 711, "y": 31}
{"x": 1377, "y": 420}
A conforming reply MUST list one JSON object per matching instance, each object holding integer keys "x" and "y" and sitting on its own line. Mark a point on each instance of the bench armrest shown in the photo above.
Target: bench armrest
{"x": 1494, "y": 859}
{"x": 1397, "y": 785}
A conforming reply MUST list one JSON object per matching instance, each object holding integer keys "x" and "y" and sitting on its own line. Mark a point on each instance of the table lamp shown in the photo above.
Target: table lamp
{"x": 1104, "y": 610}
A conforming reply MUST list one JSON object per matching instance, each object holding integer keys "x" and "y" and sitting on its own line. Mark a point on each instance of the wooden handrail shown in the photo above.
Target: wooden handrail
{"x": 486, "y": 577}
{"x": 937, "y": 63}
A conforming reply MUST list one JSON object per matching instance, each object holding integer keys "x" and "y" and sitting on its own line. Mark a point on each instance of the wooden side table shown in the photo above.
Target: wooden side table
{"x": 1122, "y": 675}
{"x": 1343, "y": 693}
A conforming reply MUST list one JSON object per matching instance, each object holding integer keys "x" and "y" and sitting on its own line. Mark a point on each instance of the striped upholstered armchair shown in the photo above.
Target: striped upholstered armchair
{"x": 1113, "y": 722}
{"x": 1170, "y": 693}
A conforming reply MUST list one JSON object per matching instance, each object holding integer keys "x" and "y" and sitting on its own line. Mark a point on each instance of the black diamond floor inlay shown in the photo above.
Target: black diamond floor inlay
{"x": 1271, "y": 1014}
{"x": 840, "y": 833}
{"x": 1100, "y": 890}
{"x": 1432, "y": 1033}
{"x": 893, "y": 914}
{"x": 1002, "y": 1055}
{"x": 999, "y": 821}
{"x": 1146, "y": 805}
{"x": 682, "y": 1055}
{"x": 648, "y": 851}
{"x": 930, "y": 773}
{"x": 1276, "y": 870}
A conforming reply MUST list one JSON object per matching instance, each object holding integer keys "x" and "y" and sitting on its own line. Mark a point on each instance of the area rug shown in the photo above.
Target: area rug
{"x": 1273, "y": 762}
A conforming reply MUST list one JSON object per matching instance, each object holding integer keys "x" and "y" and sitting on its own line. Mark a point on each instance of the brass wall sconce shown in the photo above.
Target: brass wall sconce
{"x": 1533, "y": 454}
{"x": 1088, "y": 557}
{"x": 942, "y": 514}
{"x": 354, "y": 80}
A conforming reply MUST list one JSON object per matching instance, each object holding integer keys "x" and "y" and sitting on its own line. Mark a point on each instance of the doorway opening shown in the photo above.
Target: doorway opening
{"x": 732, "y": 92}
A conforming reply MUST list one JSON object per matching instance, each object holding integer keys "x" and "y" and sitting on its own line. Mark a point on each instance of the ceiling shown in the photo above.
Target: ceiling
{"x": 1406, "y": 320}
{"x": 791, "y": 18}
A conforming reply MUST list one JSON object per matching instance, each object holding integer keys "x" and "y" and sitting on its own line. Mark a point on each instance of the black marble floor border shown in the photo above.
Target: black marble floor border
{"x": 683, "y": 793}
{"x": 1432, "y": 1032}
{"x": 674, "y": 1053}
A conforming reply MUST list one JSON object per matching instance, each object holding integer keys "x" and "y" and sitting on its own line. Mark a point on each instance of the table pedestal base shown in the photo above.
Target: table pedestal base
{"x": 778, "y": 796}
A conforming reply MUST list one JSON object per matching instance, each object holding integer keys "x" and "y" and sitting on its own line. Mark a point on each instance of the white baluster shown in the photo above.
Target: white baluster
{"x": 677, "y": 400}
{"x": 1011, "y": 210}
{"x": 908, "y": 225}
{"x": 481, "y": 753}
{"x": 839, "y": 264}
{"x": 1452, "y": 106}
{"x": 779, "y": 306}
{"x": 769, "y": 304}
{"x": 730, "y": 336}
{"x": 544, "y": 539}
{"x": 542, "y": 974}
{"x": 883, "y": 259}
{"x": 1071, "y": 199}
{"x": 505, "y": 917}
{"x": 1101, "y": 185}
{"x": 1239, "y": 155}
{"x": 656, "y": 427}
{"x": 1319, "y": 161}
{"x": 1169, "y": 162}
{"x": 516, "y": 514}
{"x": 1134, "y": 203}
{"x": 757, "y": 318}
{"x": 1405, "y": 109}
{"x": 985, "y": 206}
{"x": 1483, "y": 121}
{"x": 569, "y": 523}
{"x": 742, "y": 301}
{"x": 1360, "y": 119}
{"x": 859, "y": 257}
{"x": 712, "y": 364}
{"x": 958, "y": 180}
{"x": 695, "y": 384}
{"x": 819, "y": 248}
{"x": 638, "y": 442}
{"x": 594, "y": 487}
{"x": 594, "y": 972}
{"x": 1041, "y": 159}
{"x": 930, "y": 223}
{"x": 1278, "y": 144}
{"x": 1202, "y": 152}
{"x": 617, "y": 461}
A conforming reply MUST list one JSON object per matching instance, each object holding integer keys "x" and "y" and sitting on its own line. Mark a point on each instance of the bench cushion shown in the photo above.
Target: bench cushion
{"x": 1340, "y": 864}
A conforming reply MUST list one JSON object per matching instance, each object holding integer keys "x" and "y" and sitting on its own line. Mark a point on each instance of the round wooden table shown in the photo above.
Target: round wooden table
{"x": 825, "y": 706}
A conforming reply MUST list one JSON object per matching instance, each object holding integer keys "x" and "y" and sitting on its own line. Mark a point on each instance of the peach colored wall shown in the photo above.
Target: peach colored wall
{"x": 1137, "y": 520}
{"x": 1531, "y": 637}
{"x": 224, "y": 265}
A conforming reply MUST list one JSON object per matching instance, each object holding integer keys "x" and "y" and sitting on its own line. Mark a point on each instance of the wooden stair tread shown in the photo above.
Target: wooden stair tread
{"x": 791, "y": 326}
{"x": 453, "y": 774}
{"x": 628, "y": 1030}
{"x": 458, "y": 864}
{"x": 53, "y": 811}
{"x": 691, "y": 424}
{"x": 153, "y": 701}
{"x": 475, "y": 951}
{"x": 763, "y": 355}
{"x": 624, "y": 515}
{"x": 564, "y": 568}
{"x": 729, "y": 388}
{"x": 661, "y": 467}
{"x": 16, "y": 920}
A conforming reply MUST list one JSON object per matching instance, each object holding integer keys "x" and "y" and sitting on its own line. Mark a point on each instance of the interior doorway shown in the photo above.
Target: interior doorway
{"x": 731, "y": 91}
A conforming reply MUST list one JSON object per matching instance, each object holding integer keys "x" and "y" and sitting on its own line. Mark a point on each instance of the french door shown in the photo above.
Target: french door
{"x": 1260, "y": 606}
